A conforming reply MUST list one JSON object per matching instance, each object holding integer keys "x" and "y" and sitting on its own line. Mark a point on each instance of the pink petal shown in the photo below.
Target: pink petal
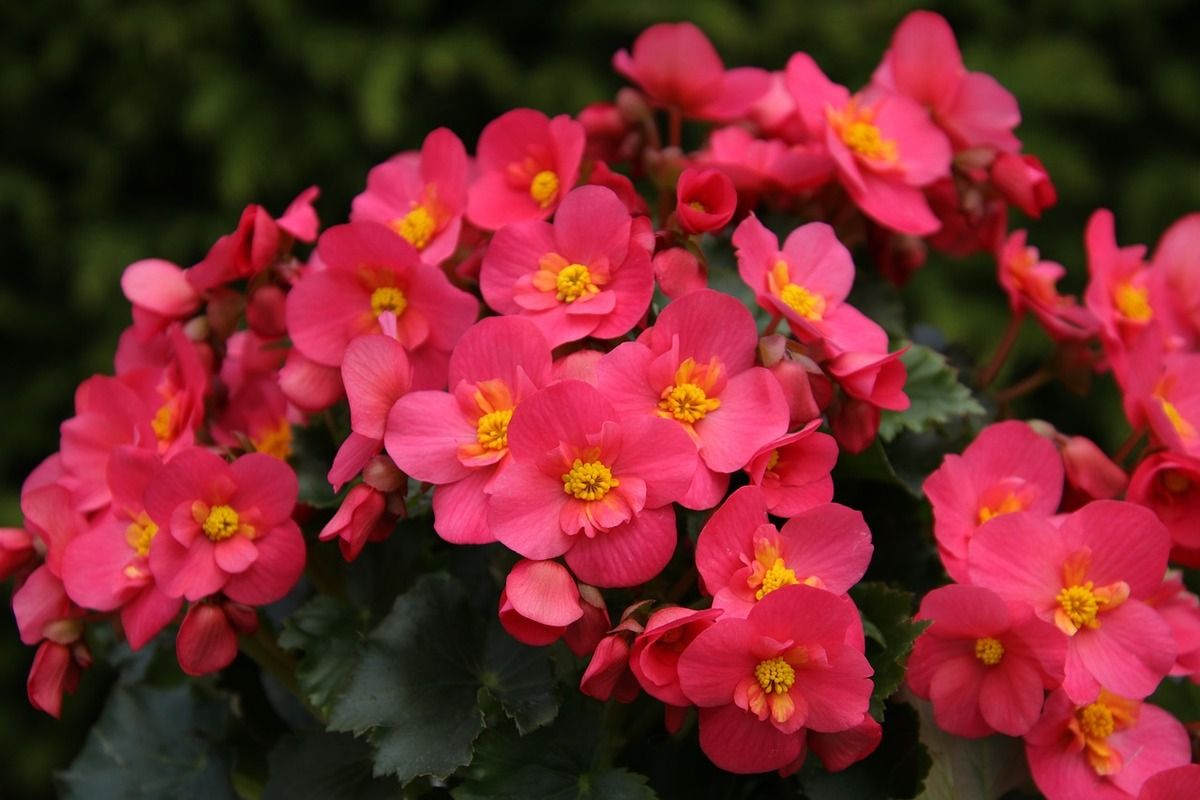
{"x": 235, "y": 554}
{"x": 736, "y": 741}
{"x": 959, "y": 611}
{"x": 1128, "y": 544}
{"x": 147, "y": 614}
{"x": 830, "y": 542}
{"x": 273, "y": 574}
{"x": 509, "y": 349}
{"x": 659, "y": 452}
{"x": 592, "y": 223}
{"x": 424, "y": 432}
{"x": 1019, "y": 556}
{"x": 40, "y": 601}
{"x": 690, "y": 318}
{"x": 523, "y": 512}
{"x": 309, "y": 386}
{"x": 190, "y": 572}
{"x": 1130, "y": 652}
{"x": 838, "y": 694}
{"x": 93, "y": 567}
{"x": 161, "y": 287}
{"x": 1157, "y": 743}
{"x": 727, "y": 537}
{"x": 324, "y": 311}
{"x": 954, "y": 692}
{"x": 706, "y": 490}
{"x": 1010, "y": 696}
{"x": 716, "y": 661}
{"x": 376, "y": 374}
{"x": 351, "y": 457}
{"x": 544, "y": 592}
{"x": 563, "y": 412}
{"x": 984, "y": 113}
{"x": 632, "y": 287}
{"x": 513, "y": 254}
{"x": 621, "y": 375}
{"x": 460, "y": 509}
{"x": 894, "y": 205}
{"x": 266, "y": 484}
{"x": 753, "y": 412}
{"x": 818, "y": 261}
{"x": 926, "y": 64}
{"x": 627, "y": 555}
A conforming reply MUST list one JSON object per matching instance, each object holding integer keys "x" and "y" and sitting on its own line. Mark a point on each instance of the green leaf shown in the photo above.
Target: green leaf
{"x": 935, "y": 393}
{"x": 887, "y": 614}
{"x": 561, "y": 762}
{"x": 1179, "y": 696}
{"x": 153, "y": 743}
{"x": 519, "y": 677}
{"x": 330, "y": 632}
{"x": 324, "y": 766}
{"x": 968, "y": 769}
{"x": 313, "y": 450}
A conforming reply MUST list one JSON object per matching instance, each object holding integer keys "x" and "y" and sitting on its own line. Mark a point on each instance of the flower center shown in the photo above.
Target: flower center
{"x": 1181, "y": 425}
{"x": 221, "y": 523}
{"x": 163, "y": 423}
{"x": 544, "y": 187}
{"x": 775, "y": 675}
{"x": 687, "y": 402}
{"x": 864, "y": 138}
{"x": 275, "y": 441}
{"x": 416, "y": 227}
{"x": 989, "y": 650}
{"x": 388, "y": 298}
{"x": 492, "y": 429}
{"x": 1176, "y": 482}
{"x": 1096, "y": 721}
{"x": 140, "y": 533}
{"x": 589, "y": 481}
{"x": 1008, "y": 505}
{"x": 805, "y": 303}
{"x": 573, "y": 282}
{"x": 1133, "y": 302}
{"x": 1080, "y": 605}
{"x": 773, "y": 460}
{"x": 696, "y": 205}
{"x": 779, "y": 575}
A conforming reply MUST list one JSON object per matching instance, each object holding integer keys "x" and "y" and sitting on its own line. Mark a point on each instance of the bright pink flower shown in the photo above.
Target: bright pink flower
{"x": 257, "y": 414}
{"x": 865, "y": 370}
{"x": 761, "y": 681}
{"x": 1177, "y": 783}
{"x": 362, "y": 517}
{"x": 583, "y": 275}
{"x": 839, "y": 750}
{"x": 56, "y": 671}
{"x": 1008, "y": 468}
{"x": 695, "y": 367}
{"x": 1088, "y": 575}
{"x": 1032, "y": 284}
{"x": 420, "y": 196}
{"x": 985, "y": 666}
{"x": 1102, "y": 750}
{"x": 257, "y": 243}
{"x": 309, "y": 386}
{"x": 1170, "y": 400}
{"x": 527, "y": 164}
{"x": 374, "y": 281}
{"x": 160, "y": 294}
{"x": 44, "y": 611}
{"x": 539, "y": 602}
{"x": 207, "y": 641}
{"x": 16, "y": 551}
{"x": 592, "y": 485}
{"x": 854, "y": 422}
{"x": 1024, "y": 182}
{"x": 1169, "y": 485}
{"x": 805, "y": 386}
{"x": 677, "y": 67}
{"x": 608, "y": 674}
{"x": 1091, "y": 475}
{"x": 52, "y": 519}
{"x": 458, "y": 441}
{"x": 705, "y": 200}
{"x": 679, "y": 272}
{"x": 742, "y": 557}
{"x": 885, "y": 147}
{"x": 793, "y": 471}
{"x": 924, "y": 63}
{"x": 1120, "y": 292}
{"x": 654, "y": 658}
{"x": 1181, "y": 611}
{"x": 766, "y": 165}
{"x": 1175, "y": 260}
{"x": 225, "y": 527}
{"x": 584, "y": 635}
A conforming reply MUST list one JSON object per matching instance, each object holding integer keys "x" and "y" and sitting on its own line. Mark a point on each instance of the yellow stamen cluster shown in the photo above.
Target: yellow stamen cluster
{"x": 163, "y": 423}
{"x": 687, "y": 402}
{"x": 1096, "y": 721}
{"x": 1008, "y": 505}
{"x": 544, "y": 187}
{"x": 275, "y": 441}
{"x": 141, "y": 533}
{"x": 1133, "y": 302}
{"x": 865, "y": 139}
{"x": 573, "y": 282}
{"x": 492, "y": 429}
{"x": 989, "y": 650}
{"x": 809, "y": 305}
{"x": 221, "y": 523}
{"x": 416, "y": 227}
{"x": 388, "y": 298}
{"x": 590, "y": 480}
{"x": 778, "y": 576}
{"x": 1080, "y": 605}
{"x": 775, "y": 675}
{"x": 772, "y": 460}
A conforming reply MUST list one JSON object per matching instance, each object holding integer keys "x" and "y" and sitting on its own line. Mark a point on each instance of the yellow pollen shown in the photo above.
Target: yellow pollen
{"x": 140, "y": 533}
{"x": 1007, "y": 506}
{"x": 416, "y": 227}
{"x": 276, "y": 441}
{"x": 221, "y": 523}
{"x": 805, "y": 303}
{"x": 779, "y": 575}
{"x": 865, "y": 139}
{"x": 687, "y": 402}
{"x": 1133, "y": 302}
{"x": 989, "y": 650}
{"x": 574, "y": 282}
{"x": 696, "y": 205}
{"x": 1096, "y": 721}
{"x": 1181, "y": 425}
{"x": 544, "y": 187}
{"x": 492, "y": 429}
{"x": 388, "y": 298}
{"x": 775, "y": 675}
{"x": 1080, "y": 605}
{"x": 589, "y": 481}
{"x": 772, "y": 460}
{"x": 162, "y": 423}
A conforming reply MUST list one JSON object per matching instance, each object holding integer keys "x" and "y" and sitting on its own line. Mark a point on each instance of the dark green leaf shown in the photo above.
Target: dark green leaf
{"x": 887, "y": 612}
{"x": 1179, "y": 696}
{"x": 894, "y": 771}
{"x": 935, "y": 393}
{"x": 313, "y": 449}
{"x": 330, "y": 632}
{"x": 324, "y": 766}
{"x": 520, "y": 678}
{"x": 968, "y": 769}
{"x": 154, "y": 743}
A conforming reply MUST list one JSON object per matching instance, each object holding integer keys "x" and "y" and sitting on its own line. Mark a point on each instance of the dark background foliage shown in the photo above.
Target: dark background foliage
{"x": 136, "y": 129}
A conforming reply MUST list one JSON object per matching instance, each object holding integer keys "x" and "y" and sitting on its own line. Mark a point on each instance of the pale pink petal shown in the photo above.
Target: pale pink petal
{"x": 235, "y": 554}
{"x": 159, "y": 286}
{"x": 376, "y": 374}
{"x": 544, "y": 592}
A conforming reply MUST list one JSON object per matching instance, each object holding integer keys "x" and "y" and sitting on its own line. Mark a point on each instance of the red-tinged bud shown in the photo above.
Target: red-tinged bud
{"x": 679, "y": 272}
{"x": 382, "y": 474}
{"x": 55, "y": 672}
{"x": 265, "y": 312}
{"x": 705, "y": 200}
{"x": 361, "y": 518}
{"x": 224, "y": 310}
{"x": 310, "y": 386}
{"x": 206, "y": 641}
{"x": 632, "y": 105}
{"x": 608, "y": 674}
{"x": 539, "y": 601}
{"x": 585, "y": 633}
{"x": 1024, "y": 182}
{"x": 243, "y": 618}
{"x": 855, "y": 423}
{"x": 16, "y": 551}
{"x": 1089, "y": 471}
{"x": 1169, "y": 485}
{"x": 654, "y": 658}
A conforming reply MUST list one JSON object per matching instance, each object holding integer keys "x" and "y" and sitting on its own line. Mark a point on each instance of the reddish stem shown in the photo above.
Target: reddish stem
{"x": 675, "y": 129}
{"x": 1006, "y": 345}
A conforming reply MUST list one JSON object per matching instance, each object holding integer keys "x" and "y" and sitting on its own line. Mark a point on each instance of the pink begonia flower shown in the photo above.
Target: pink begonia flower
{"x": 705, "y": 200}
{"x": 1105, "y": 749}
{"x": 608, "y": 675}
{"x": 53, "y": 519}
{"x": 805, "y": 385}
{"x": 207, "y": 640}
{"x": 1024, "y": 182}
{"x": 1181, "y": 611}
{"x": 458, "y": 440}
{"x": 621, "y": 186}
{"x": 527, "y": 164}
{"x": 420, "y": 196}
{"x": 986, "y": 667}
{"x": 225, "y": 527}
{"x": 1169, "y": 485}
{"x": 695, "y": 367}
{"x": 1032, "y": 284}
{"x": 160, "y": 293}
{"x": 679, "y": 272}
{"x": 257, "y": 243}
{"x": 1176, "y": 262}
{"x": 362, "y": 517}
{"x": 16, "y": 551}
{"x": 585, "y": 633}
{"x": 742, "y": 558}
{"x": 1120, "y": 291}
{"x": 249, "y": 357}
{"x": 55, "y": 671}
{"x": 1091, "y": 475}
{"x": 1171, "y": 403}
{"x": 678, "y": 68}
{"x": 256, "y": 414}
{"x": 583, "y": 275}
{"x": 865, "y": 370}
{"x": 47, "y": 617}
{"x": 1177, "y": 783}
{"x": 1089, "y": 575}
{"x": 108, "y": 567}
{"x": 757, "y": 166}
{"x": 794, "y": 471}
{"x": 591, "y": 485}
{"x": 309, "y": 386}
{"x": 762, "y": 680}
{"x": 839, "y": 750}
{"x": 539, "y": 602}
{"x": 1008, "y": 468}
{"x": 885, "y": 147}
{"x": 924, "y": 64}
{"x": 654, "y": 658}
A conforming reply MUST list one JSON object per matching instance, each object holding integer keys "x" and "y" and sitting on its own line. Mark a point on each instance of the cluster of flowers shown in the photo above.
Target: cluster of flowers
{"x": 571, "y": 421}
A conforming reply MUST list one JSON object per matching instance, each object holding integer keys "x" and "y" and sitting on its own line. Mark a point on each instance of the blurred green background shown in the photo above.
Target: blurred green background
{"x": 136, "y": 129}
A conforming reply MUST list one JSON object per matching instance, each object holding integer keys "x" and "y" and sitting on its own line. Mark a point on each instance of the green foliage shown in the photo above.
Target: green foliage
{"x": 330, "y": 633}
{"x": 324, "y": 766}
{"x": 891, "y": 631}
{"x": 968, "y": 769}
{"x": 936, "y": 395}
